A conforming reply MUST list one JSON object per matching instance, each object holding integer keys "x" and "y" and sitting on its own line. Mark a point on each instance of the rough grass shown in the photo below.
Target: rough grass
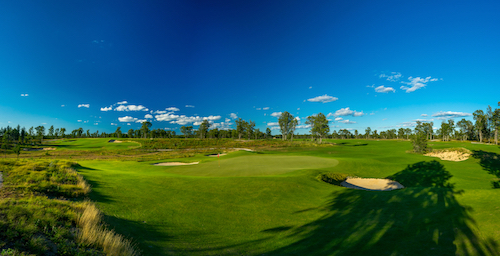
{"x": 33, "y": 222}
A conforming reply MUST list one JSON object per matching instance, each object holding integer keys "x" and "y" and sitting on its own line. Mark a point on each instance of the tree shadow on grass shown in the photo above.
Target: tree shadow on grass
{"x": 425, "y": 218}
{"x": 143, "y": 235}
{"x": 490, "y": 162}
{"x": 94, "y": 195}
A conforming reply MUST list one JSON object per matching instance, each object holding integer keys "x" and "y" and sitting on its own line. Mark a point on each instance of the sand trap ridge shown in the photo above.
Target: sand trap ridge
{"x": 450, "y": 155}
{"x": 115, "y": 141}
{"x": 215, "y": 155}
{"x": 174, "y": 164}
{"x": 38, "y": 149}
{"x": 371, "y": 184}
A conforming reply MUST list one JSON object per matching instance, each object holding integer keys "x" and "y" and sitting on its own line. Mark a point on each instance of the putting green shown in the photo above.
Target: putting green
{"x": 254, "y": 165}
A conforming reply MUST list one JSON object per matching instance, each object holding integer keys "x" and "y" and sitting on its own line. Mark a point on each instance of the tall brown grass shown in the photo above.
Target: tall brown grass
{"x": 92, "y": 232}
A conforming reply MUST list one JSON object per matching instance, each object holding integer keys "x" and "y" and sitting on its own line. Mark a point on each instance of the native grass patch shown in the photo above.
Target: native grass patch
{"x": 42, "y": 213}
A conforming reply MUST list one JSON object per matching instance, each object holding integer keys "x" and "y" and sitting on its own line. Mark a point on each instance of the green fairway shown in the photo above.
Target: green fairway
{"x": 93, "y": 144}
{"x": 252, "y": 165}
{"x": 271, "y": 202}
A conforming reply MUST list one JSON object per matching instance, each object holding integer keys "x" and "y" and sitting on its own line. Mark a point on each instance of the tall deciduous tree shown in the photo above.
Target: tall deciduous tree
{"x": 145, "y": 128}
{"x": 240, "y": 127}
{"x": 187, "y": 131}
{"x": 203, "y": 129}
{"x": 268, "y": 133}
{"x": 368, "y": 130}
{"x": 319, "y": 125}
{"x": 287, "y": 124}
{"x": 480, "y": 122}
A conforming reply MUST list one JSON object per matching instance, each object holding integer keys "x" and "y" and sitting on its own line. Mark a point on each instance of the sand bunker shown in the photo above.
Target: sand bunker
{"x": 215, "y": 155}
{"x": 115, "y": 141}
{"x": 371, "y": 184}
{"x": 450, "y": 155}
{"x": 38, "y": 149}
{"x": 175, "y": 164}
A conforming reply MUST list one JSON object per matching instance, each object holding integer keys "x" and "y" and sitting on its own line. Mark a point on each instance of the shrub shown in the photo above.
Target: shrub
{"x": 419, "y": 142}
{"x": 333, "y": 178}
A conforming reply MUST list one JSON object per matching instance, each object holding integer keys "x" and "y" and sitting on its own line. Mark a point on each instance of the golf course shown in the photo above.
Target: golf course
{"x": 270, "y": 201}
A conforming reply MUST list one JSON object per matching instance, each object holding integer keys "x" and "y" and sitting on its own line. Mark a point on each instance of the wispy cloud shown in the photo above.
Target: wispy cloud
{"x": 122, "y": 102}
{"x": 233, "y": 115}
{"x": 347, "y": 121}
{"x": 107, "y": 108}
{"x": 273, "y": 123}
{"x": 450, "y": 114}
{"x": 346, "y": 112}
{"x": 307, "y": 126}
{"x": 148, "y": 116}
{"x": 127, "y": 119}
{"x": 189, "y": 106}
{"x": 183, "y": 120}
{"x": 172, "y": 109}
{"x": 131, "y": 108}
{"x": 323, "y": 99}
{"x": 423, "y": 120}
{"x": 338, "y": 118}
{"x": 84, "y": 105}
{"x": 384, "y": 89}
{"x": 416, "y": 83}
{"x": 266, "y": 108}
{"x": 24, "y": 95}
{"x": 393, "y": 76}
{"x": 424, "y": 115}
{"x": 276, "y": 114}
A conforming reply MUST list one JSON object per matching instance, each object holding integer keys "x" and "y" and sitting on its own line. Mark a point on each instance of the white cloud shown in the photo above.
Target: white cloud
{"x": 423, "y": 120}
{"x": 450, "y": 114}
{"x": 310, "y": 87}
{"x": 297, "y": 118}
{"x": 84, "y": 105}
{"x": 107, "y": 108}
{"x": 347, "y": 121}
{"x": 227, "y": 120}
{"x": 338, "y": 118}
{"x": 276, "y": 114}
{"x": 148, "y": 116}
{"x": 113, "y": 124}
{"x": 166, "y": 117}
{"x": 189, "y": 106}
{"x": 131, "y": 108}
{"x": 127, "y": 119}
{"x": 303, "y": 126}
{"x": 323, "y": 99}
{"x": 393, "y": 77}
{"x": 416, "y": 83}
{"x": 258, "y": 108}
{"x": 298, "y": 108}
{"x": 384, "y": 89}
{"x": 408, "y": 124}
{"x": 141, "y": 120}
{"x": 221, "y": 125}
{"x": 159, "y": 112}
{"x": 233, "y": 115}
{"x": 346, "y": 112}
{"x": 424, "y": 115}
{"x": 266, "y": 108}
{"x": 62, "y": 106}
{"x": 122, "y": 102}
{"x": 24, "y": 95}
{"x": 273, "y": 123}
{"x": 96, "y": 123}
{"x": 275, "y": 128}
{"x": 79, "y": 121}
{"x": 371, "y": 86}
{"x": 172, "y": 109}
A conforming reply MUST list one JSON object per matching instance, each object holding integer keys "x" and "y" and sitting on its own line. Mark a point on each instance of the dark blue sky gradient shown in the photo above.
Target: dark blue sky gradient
{"x": 228, "y": 57}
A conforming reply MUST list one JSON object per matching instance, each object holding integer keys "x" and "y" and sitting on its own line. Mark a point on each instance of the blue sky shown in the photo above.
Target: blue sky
{"x": 382, "y": 64}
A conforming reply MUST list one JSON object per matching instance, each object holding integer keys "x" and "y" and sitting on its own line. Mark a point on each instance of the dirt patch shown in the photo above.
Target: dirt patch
{"x": 371, "y": 184}
{"x": 244, "y": 149}
{"x": 175, "y": 164}
{"x": 451, "y": 155}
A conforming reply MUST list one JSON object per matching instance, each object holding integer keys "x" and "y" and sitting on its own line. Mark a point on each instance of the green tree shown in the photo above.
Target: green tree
{"x": 368, "y": 130}
{"x": 118, "y": 132}
{"x": 240, "y": 127}
{"x": 419, "y": 139}
{"x": 187, "y": 131}
{"x": 496, "y": 123}
{"x": 268, "y": 133}
{"x": 250, "y": 127}
{"x": 51, "y": 131}
{"x": 62, "y": 131}
{"x": 203, "y": 129}
{"x": 17, "y": 150}
{"x": 287, "y": 124}
{"x": 319, "y": 125}
{"x": 480, "y": 123}
{"x": 40, "y": 131}
{"x": 145, "y": 128}
{"x": 130, "y": 133}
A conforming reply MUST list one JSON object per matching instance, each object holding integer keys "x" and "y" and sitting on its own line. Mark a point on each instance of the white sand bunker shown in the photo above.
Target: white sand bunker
{"x": 115, "y": 141}
{"x": 38, "y": 149}
{"x": 215, "y": 155}
{"x": 175, "y": 164}
{"x": 451, "y": 155}
{"x": 371, "y": 184}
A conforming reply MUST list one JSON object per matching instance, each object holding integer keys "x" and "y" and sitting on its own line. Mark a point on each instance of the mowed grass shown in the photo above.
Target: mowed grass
{"x": 271, "y": 202}
{"x": 92, "y": 144}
